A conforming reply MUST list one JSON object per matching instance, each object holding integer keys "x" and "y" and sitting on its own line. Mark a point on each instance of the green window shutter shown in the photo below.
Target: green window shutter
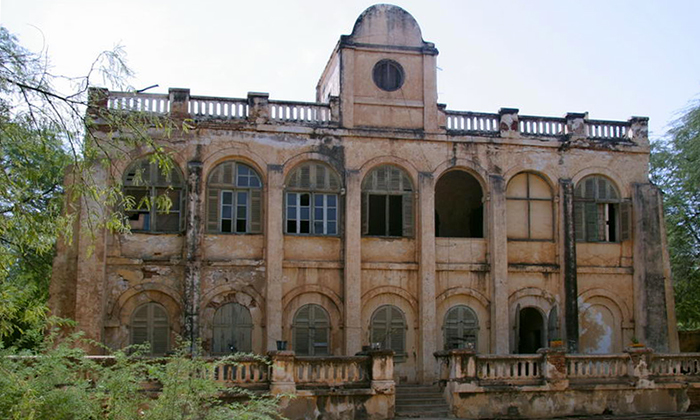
{"x": 408, "y": 219}
{"x": 301, "y": 331}
{"x": 579, "y": 221}
{"x": 213, "y": 210}
{"x": 553, "y": 324}
{"x": 364, "y": 210}
{"x": 255, "y": 211}
{"x": 232, "y": 329}
{"x": 591, "y": 221}
{"x": 305, "y": 177}
{"x": 227, "y": 173}
{"x": 398, "y": 332}
{"x": 319, "y": 330}
{"x": 625, "y": 220}
{"x": 160, "y": 329}
{"x": 590, "y": 188}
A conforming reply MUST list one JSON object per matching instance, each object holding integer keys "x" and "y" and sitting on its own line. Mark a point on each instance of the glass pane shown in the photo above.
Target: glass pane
{"x": 227, "y": 197}
{"x": 242, "y": 198}
{"x": 304, "y": 213}
{"x": 318, "y": 200}
{"x": 331, "y": 214}
{"x": 517, "y": 219}
{"x": 291, "y": 198}
{"x": 241, "y": 212}
{"x": 318, "y": 228}
{"x": 318, "y": 213}
{"x": 254, "y": 181}
{"x": 541, "y": 224}
{"x": 242, "y": 181}
{"x": 517, "y": 187}
{"x": 241, "y": 226}
{"x": 331, "y": 228}
{"x": 291, "y": 212}
{"x": 331, "y": 200}
{"x": 539, "y": 188}
{"x": 226, "y": 212}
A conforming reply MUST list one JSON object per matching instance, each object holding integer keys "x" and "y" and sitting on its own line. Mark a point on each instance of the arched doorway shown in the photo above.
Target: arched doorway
{"x": 531, "y": 332}
{"x": 459, "y": 208}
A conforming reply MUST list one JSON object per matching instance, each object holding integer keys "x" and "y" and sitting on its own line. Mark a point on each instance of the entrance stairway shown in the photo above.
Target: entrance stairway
{"x": 420, "y": 401}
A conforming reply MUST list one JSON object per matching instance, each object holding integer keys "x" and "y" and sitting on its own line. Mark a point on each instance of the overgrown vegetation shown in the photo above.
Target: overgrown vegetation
{"x": 675, "y": 168}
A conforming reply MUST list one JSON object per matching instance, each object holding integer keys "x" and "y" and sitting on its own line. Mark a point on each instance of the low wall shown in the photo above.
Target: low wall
{"x": 553, "y": 383}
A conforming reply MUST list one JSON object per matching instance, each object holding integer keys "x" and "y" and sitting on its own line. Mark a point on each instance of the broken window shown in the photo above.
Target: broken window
{"x": 387, "y": 203}
{"x": 530, "y": 208}
{"x": 599, "y": 213}
{"x": 149, "y": 325}
{"x": 459, "y": 208}
{"x": 232, "y": 329}
{"x": 388, "y": 328}
{"x": 461, "y": 328}
{"x": 154, "y": 197}
{"x": 311, "y": 202}
{"x": 311, "y": 331}
{"x": 234, "y": 199}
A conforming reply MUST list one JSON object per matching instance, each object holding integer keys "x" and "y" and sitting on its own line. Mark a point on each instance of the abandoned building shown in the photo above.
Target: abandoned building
{"x": 376, "y": 215}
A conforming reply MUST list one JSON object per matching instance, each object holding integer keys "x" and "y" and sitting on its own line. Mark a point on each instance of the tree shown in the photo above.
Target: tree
{"x": 675, "y": 168}
{"x": 47, "y": 134}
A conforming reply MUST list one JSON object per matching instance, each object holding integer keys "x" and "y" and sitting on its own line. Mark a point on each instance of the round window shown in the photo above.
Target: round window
{"x": 388, "y": 75}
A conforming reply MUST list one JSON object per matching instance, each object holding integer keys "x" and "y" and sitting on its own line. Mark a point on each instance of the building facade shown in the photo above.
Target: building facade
{"x": 376, "y": 215}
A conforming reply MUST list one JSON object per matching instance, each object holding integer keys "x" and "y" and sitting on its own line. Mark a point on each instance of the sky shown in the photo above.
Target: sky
{"x": 612, "y": 59}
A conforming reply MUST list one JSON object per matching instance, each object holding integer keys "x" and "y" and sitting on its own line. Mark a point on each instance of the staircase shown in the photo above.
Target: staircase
{"x": 420, "y": 401}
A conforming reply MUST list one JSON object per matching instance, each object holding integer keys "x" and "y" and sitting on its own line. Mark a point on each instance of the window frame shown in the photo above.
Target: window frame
{"x": 311, "y": 337}
{"x": 152, "y": 189}
{"x": 150, "y": 327}
{"x": 529, "y": 200}
{"x": 313, "y": 190}
{"x": 239, "y": 183}
{"x": 405, "y": 190}
{"x": 246, "y": 324}
{"x": 621, "y": 209}
{"x": 474, "y": 329}
{"x": 399, "y": 357}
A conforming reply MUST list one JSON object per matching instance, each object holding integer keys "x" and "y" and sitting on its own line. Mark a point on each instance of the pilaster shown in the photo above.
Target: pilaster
{"x": 426, "y": 275}
{"x": 274, "y": 255}
{"x": 498, "y": 261}
{"x": 193, "y": 253}
{"x": 353, "y": 263}
{"x": 568, "y": 237}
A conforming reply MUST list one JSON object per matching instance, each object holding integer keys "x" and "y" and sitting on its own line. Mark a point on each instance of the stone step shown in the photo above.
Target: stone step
{"x": 421, "y": 400}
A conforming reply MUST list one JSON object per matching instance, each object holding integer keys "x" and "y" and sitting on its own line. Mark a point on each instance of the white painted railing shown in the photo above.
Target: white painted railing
{"x": 331, "y": 371}
{"x": 472, "y": 121}
{"x": 218, "y": 108}
{"x": 511, "y": 368}
{"x": 139, "y": 102}
{"x": 242, "y": 372}
{"x": 305, "y": 112}
{"x": 597, "y": 366}
{"x": 613, "y": 130}
{"x": 542, "y": 126}
{"x": 675, "y": 364}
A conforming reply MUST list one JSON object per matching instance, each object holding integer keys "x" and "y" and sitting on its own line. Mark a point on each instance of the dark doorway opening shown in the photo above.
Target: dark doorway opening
{"x": 459, "y": 208}
{"x": 531, "y": 336}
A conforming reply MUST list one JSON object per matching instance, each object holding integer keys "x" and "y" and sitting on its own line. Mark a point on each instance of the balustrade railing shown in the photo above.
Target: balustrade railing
{"x": 477, "y": 122}
{"x": 331, "y": 371}
{"x": 542, "y": 126}
{"x": 510, "y": 368}
{"x": 597, "y": 366}
{"x": 304, "y": 112}
{"x": 242, "y": 372}
{"x": 607, "y": 130}
{"x": 218, "y": 108}
{"x": 139, "y": 102}
{"x": 675, "y": 364}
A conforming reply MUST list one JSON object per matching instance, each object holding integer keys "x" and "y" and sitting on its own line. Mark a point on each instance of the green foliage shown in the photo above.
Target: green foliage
{"x": 675, "y": 168}
{"x": 60, "y": 382}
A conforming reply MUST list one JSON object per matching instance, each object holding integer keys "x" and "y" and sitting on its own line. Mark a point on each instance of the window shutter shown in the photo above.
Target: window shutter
{"x": 626, "y": 220}
{"x": 379, "y": 327}
{"x": 333, "y": 181}
{"x": 398, "y": 332}
{"x": 602, "y": 189}
{"x": 553, "y": 324}
{"x": 255, "y": 211}
{"x": 452, "y": 329}
{"x": 305, "y": 181}
{"x": 395, "y": 179}
{"x": 301, "y": 331}
{"x": 365, "y": 210}
{"x": 227, "y": 173}
{"x": 381, "y": 179}
{"x": 590, "y": 188}
{"x": 579, "y": 221}
{"x": 320, "y": 178}
{"x": 591, "y": 221}
{"x": 408, "y": 214}
{"x": 159, "y": 342}
{"x": 213, "y": 210}
{"x": 319, "y": 330}
{"x": 516, "y": 327}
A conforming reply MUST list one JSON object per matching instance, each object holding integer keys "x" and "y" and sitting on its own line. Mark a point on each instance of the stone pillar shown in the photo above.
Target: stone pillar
{"x": 650, "y": 277}
{"x": 98, "y": 100}
{"x": 509, "y": 122}
{"x": 426, "y": 275}
{"x": 498, "y": 262}
{"x": 554, "y": 367}
{"x": 334, "y": 103}
{"x": 382, "y": 363}
{"x": 179, "y": 102}
{"x": 576, "y": 125}
{"x": 259, "y": 107}
{"x": 640, "y": 361}
{"x": 282, "y": 372}
{"x": 568, "y": 238}
{"x": 347, "y": 87}
{"x": 639, "y": 131}
{"x": 462, "y": 364}
{"x": 274, "y": 255}
{"x": 353, "y": 263}
{"x": 91, "y": 272}
{"x": 193, "y": 253}
{"x": 430, "y": 96}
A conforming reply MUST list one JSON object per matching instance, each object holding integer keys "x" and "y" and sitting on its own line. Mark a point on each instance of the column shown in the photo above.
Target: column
{"x": 274, "y": 254}
{"x": 498, "y": 260}
{"x": 193, "y": 253}
{"x": 353, "y": 263}
{"x": 568, "y": 238}
{"x": 426, "y": 275}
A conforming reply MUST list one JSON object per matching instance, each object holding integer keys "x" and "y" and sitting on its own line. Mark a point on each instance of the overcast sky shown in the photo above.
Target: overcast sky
{"x": 611, "y": 58}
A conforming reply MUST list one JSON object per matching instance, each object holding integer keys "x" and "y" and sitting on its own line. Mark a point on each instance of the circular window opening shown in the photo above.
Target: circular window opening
{"x": 388, "y": 75}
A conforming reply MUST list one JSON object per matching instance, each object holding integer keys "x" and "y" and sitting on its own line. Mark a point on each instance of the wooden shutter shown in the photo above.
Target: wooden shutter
{"x": 365, "y": 213}
{"x": 255, "y": 211}
{"x": 408, "y": 219}
{"x": 398, "y": 332}
{"x": 579, "y": 221}
{"x": 139, "y": 326}
{"x": 159, "y": 341}
{"x": 516, "y": 328}
{"x": 301, "y": 331}
{"x": 591, "y": 221}
{"x": 319, "y": 330}
{"x": 625, "y": 221}
{"x": 379, "y": 327}
{"x": 305, "y": 177}
{"x": 553, "y": 324}
{"x": 213, "y": 210}
{"x": 452, "y": 329}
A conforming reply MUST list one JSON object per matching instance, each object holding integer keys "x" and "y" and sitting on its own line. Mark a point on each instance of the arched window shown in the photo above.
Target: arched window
{"x": 461, "y": 328}
{"x": 388, "y": 328}
{"x": 387, "y": 202}
{"x": 459, "y": 207}
{"x": 232, "y": 329}
{"x": 149, "y": 324}
{"x": 234, "y": 199}
{"x": 147, "y": 183}
{"x": 530, "y": 208}
{"x": 599, "y": 214}
{"x": 312, "y": 200}
{"x": 311, "y": 331}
